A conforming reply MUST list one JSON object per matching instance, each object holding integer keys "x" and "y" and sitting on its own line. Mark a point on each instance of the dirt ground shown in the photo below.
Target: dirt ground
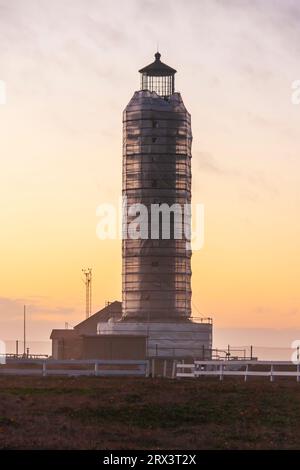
{"x": 134, "y": 413}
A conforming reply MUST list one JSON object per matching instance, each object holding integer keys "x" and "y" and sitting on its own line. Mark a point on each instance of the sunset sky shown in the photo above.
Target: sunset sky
{"x": 70, "y": 68}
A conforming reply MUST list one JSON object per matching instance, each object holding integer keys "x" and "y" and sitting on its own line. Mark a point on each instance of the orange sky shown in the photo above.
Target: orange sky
{"x": 70, "y": 69}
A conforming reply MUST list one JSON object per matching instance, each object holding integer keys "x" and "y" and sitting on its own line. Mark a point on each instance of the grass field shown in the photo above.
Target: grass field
{"x": 114, "y": 413}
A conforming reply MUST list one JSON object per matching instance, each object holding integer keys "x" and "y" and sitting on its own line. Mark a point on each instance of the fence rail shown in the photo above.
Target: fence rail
{"x": 144, "y": 368}
{"x": 81, "y": 367}
{"x": 238, "y": 368}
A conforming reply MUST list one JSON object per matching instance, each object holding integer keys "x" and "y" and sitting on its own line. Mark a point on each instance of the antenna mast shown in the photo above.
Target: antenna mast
{"x": 24, "y": 330}
{"x": 88, "y": 291}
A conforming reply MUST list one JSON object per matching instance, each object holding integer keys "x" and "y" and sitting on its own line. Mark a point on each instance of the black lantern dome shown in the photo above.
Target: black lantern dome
{"x": 158, "y": 77}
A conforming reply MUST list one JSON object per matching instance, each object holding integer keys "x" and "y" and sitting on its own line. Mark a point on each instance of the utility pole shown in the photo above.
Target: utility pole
{"x": 88, "y": 291}
{"x": 24, "y": 330}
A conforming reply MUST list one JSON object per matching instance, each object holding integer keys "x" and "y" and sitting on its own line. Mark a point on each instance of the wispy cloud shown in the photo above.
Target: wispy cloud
{"x": 256, "y": 180}
{"x": 204, "y": 161}
{"x": 12, "y": 309}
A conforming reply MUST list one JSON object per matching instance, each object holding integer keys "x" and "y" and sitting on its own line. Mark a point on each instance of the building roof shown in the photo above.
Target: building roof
{"x": 113, "y": 335}
{"x": 113, "y": 309}
{"x": 63, "y": 333}
{"x": 157, "y": 68}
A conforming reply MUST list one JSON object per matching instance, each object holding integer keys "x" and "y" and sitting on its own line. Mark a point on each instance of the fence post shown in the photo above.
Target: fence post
{"x": 196, "y": 367}
{"x": 165, "y": 368}
{"x": 298, "y": 378}
{"x": 147, "y": 368}
{"x": 44, "y": 372}
{"x": 246, "y": 373}
{"x": 153, "y": 368}
{"x": 174, "y": 368}
{"x": 96, "y": 368}
{"x": 221, "y": 371}
{"x": 271, "y": 374}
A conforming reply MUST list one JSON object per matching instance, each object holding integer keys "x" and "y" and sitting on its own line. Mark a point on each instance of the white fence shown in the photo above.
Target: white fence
{"x": 46, "y": 367}
{"x": 106, "y": 368}
{"x": 244, "y": 369}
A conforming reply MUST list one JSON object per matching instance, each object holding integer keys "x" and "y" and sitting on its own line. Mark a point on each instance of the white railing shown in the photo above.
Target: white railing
{"x": 244, "y": 369}
{"x": 89, "y": 367}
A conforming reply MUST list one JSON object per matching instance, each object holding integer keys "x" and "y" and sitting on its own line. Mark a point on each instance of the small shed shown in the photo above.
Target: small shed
{"x": 82, "y": 342}
{"x": 68, "y": 344}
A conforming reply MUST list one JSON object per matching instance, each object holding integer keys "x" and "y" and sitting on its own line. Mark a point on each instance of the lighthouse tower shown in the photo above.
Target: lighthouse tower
{"x": 157, "y": 142}
{"x": 156, "y": 259}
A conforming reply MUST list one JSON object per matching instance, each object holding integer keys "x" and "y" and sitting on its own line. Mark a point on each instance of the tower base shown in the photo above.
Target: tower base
{"x": 177, "y": 339}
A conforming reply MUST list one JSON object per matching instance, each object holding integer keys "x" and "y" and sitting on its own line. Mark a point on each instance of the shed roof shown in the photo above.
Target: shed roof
{"x": 63, "y": 333}
{"x": 113, "y": 309}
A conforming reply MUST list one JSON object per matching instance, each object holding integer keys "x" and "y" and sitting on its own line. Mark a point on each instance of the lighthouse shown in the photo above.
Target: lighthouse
{"x": 156, "y": 188}
{"x": 157, "y": 140}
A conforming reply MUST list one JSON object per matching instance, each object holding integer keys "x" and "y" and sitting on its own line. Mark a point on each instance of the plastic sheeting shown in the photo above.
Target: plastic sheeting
{"x": 176, "y": 339}
{"x": 156, "y": 274}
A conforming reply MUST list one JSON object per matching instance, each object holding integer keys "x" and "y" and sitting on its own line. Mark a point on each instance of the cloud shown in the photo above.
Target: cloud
{"x": 256, "y": 180}
{"x": 10, "y": 309}
{"x": 206, "y": 162}
{"x": 13, "y": 309}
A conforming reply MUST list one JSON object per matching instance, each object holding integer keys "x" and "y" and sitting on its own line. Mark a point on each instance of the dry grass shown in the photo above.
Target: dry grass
{"x": 133, "y": 413}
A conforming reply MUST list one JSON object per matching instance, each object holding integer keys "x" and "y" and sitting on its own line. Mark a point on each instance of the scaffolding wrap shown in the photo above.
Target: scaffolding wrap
{"x": 156, "y": 273}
